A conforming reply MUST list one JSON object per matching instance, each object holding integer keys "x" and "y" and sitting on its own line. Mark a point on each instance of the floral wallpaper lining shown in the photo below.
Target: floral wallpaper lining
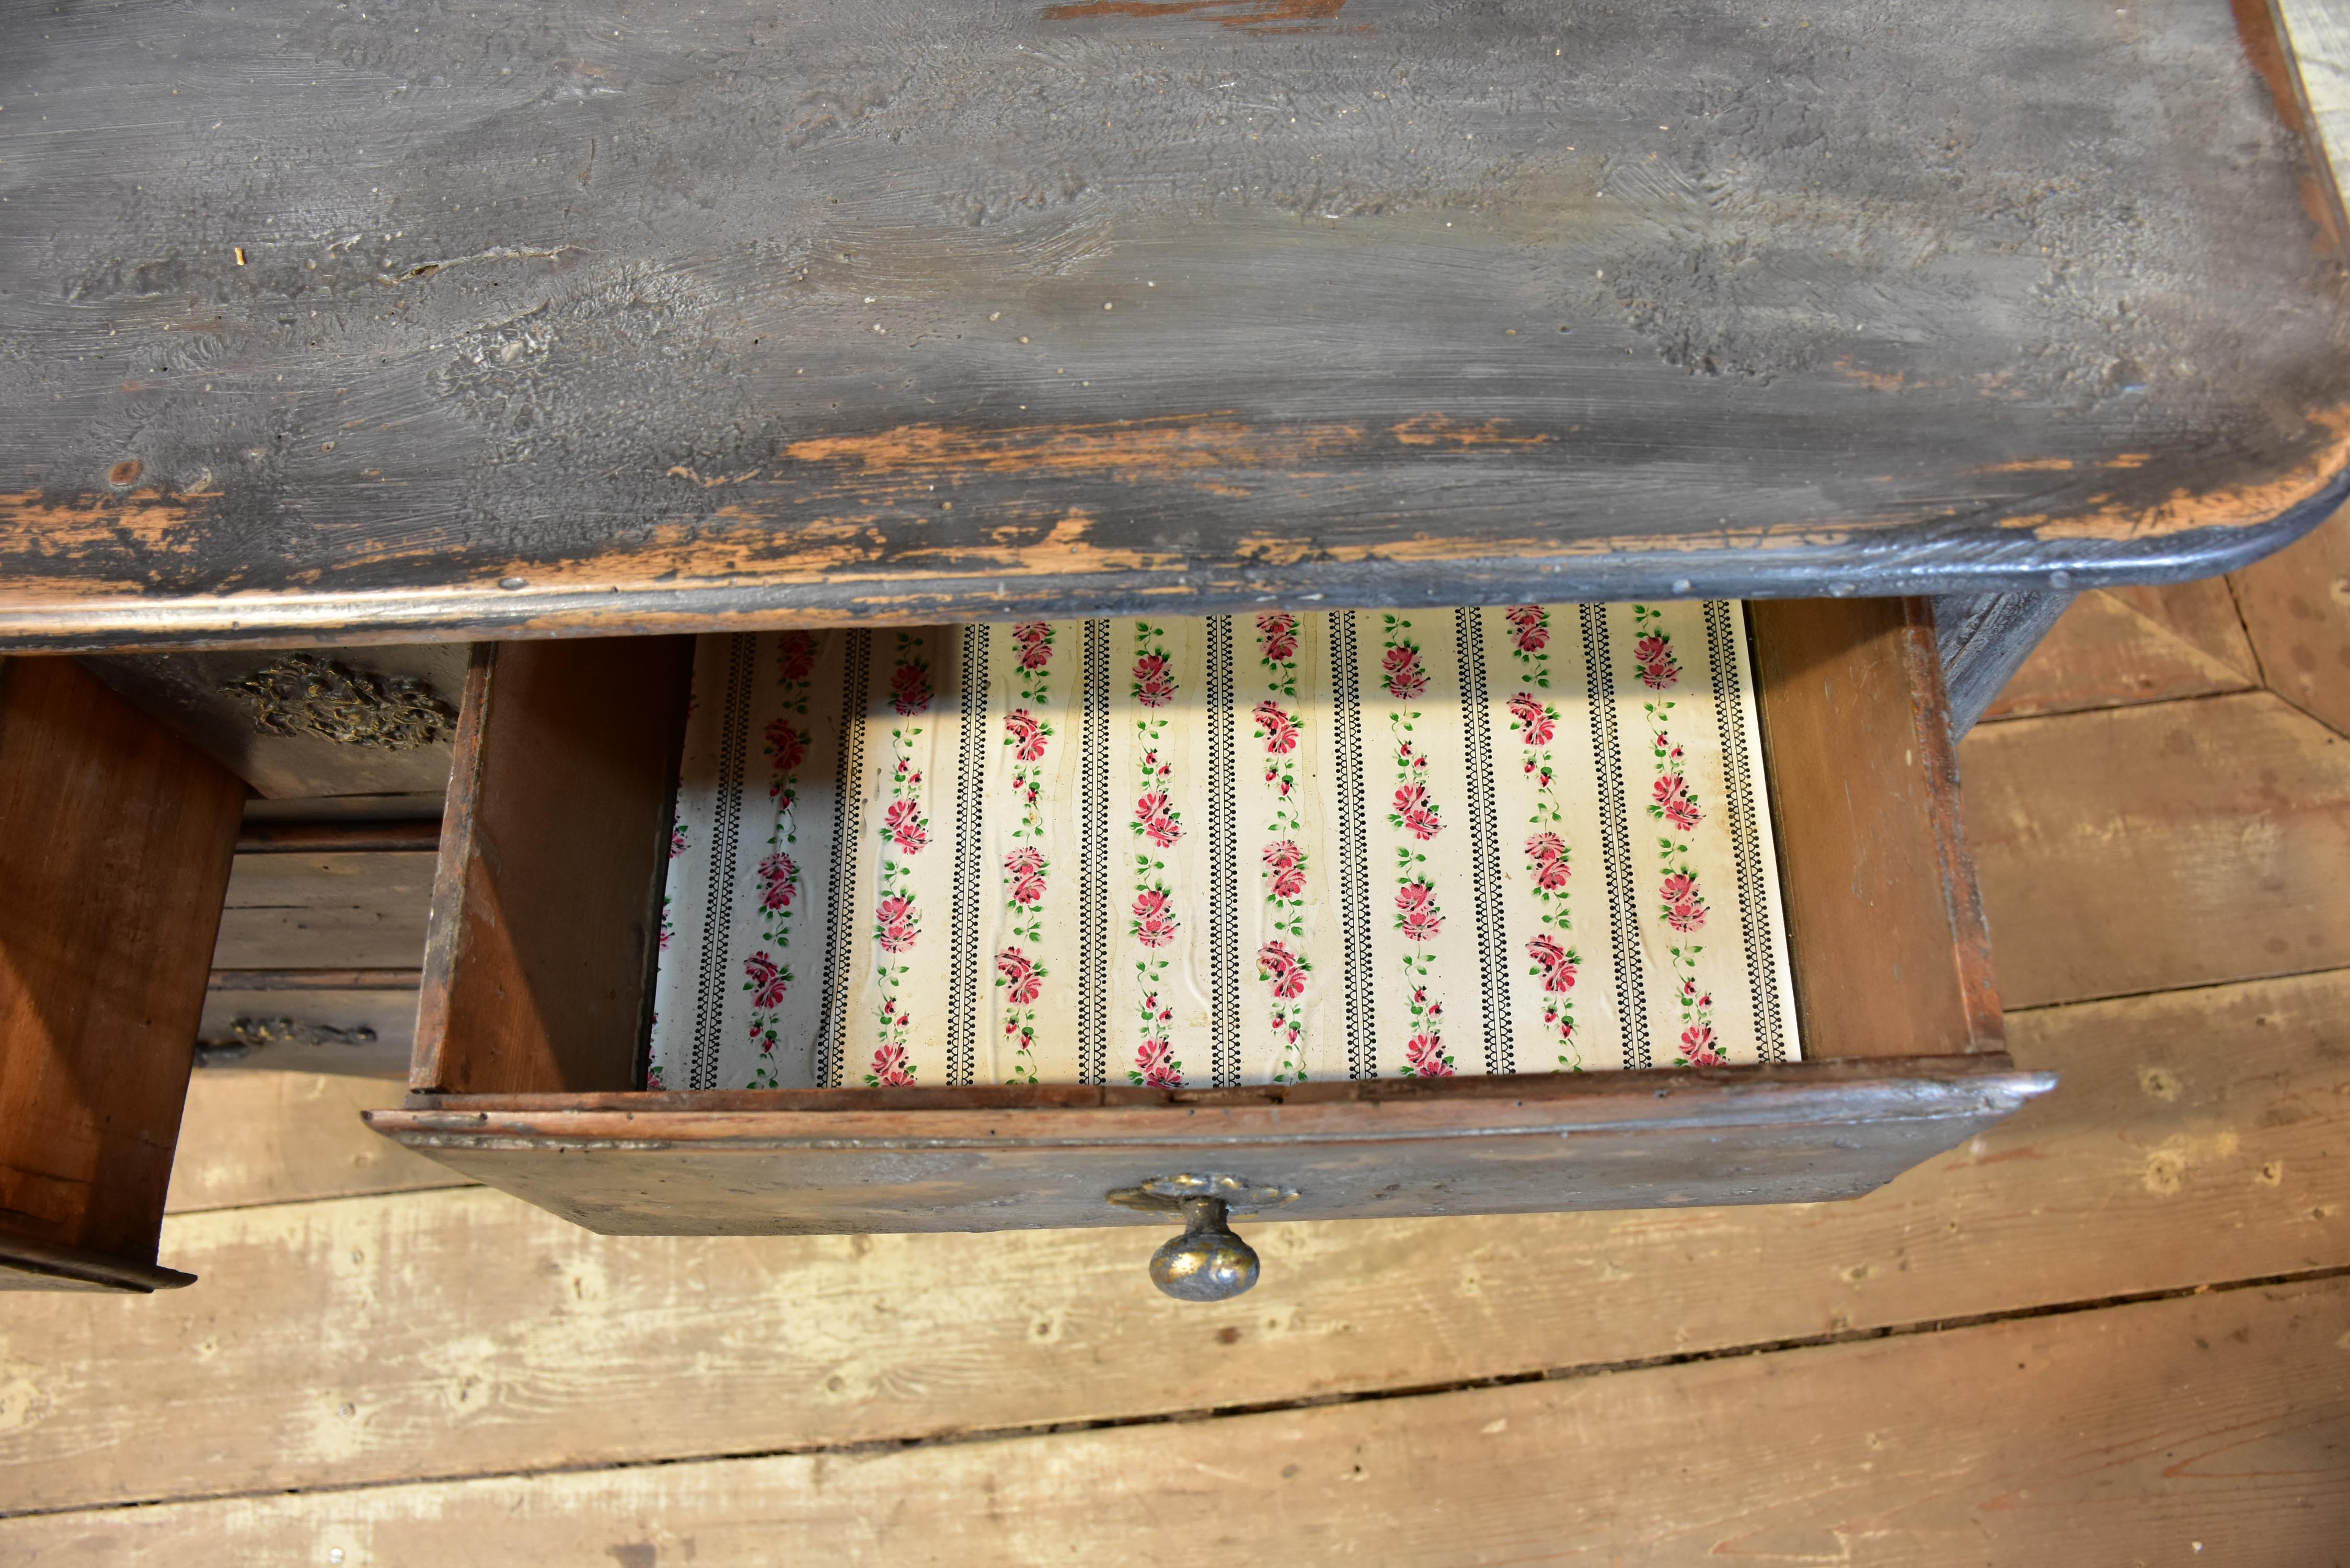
{"x": 1239, "y": 849}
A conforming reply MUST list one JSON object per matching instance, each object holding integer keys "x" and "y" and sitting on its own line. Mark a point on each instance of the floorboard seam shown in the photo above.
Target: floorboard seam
{"x": 2174, "y": 989}
{"x": 2249, "y": 689}
{"x": 336, "y": 1198}
{"x": 876, "y": 1446}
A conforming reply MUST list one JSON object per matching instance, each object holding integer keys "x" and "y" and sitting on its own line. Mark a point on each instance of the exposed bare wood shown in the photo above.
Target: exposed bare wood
{"x": 115, "y": 839}
{"x": 2196, "y": 1137}
{"x": 547, "y": 897}
{"x": 1883, "y": 924}
{"x": 2140, "y": 848}
{"x": 276, "y": 1136}
{"x": 2213, "y": 1427}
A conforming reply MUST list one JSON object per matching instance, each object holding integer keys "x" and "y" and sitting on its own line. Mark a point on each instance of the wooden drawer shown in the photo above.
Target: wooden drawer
{"x": 538, "y": 974}
{"x": 115, "y": 842}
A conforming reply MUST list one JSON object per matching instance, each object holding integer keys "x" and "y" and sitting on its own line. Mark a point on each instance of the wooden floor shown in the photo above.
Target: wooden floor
{"x": 2115, "y": 1331}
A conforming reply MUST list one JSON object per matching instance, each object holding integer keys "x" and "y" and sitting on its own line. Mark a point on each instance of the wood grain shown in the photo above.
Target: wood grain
{"x": 2213, "y": 1427}
{"x": 1883, "y": 924}
{"x": 115, "y": 840}
{"x": 369, "y": 1034}
{"x": 2318, "y": 33}
{"x": 1985, "y": 639}
{"x": 277, "y": 1137}
{"x": 1797, "y": 1133}
{"x": 2141, "y": 848}
{"x": 2121, "y": 646}
{"x": 339, "y": 836}
{"x": 668, "y": 328}
{"x": 2195, "y": 1137}
{"x": 548, "y": 894}
{"x": 2297, "y": 605}
{"x": 331, "y": 910}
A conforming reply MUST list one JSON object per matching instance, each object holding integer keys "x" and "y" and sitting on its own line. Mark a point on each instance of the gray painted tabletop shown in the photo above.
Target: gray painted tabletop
{"x": 379, "y": 319}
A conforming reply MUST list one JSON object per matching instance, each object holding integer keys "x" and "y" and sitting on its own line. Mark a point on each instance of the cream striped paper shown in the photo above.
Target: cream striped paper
{"x": 1223, "y": 850}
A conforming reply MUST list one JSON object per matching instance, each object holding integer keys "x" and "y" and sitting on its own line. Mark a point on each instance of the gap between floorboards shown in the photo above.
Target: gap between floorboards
{"x": 1269, "y": 1406}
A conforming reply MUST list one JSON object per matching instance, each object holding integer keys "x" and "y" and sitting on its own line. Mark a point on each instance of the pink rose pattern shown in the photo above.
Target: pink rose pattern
{"x": 1153, "y": 923}
{"x": 766, "y": 975}
{"x": 1400, "y": 660}
{"x": 1424, "y": 1057}
{"x": 905, "y": 833}
{"x": 1416, "y": 818}
{"x": 1529, "y": 635}
{"x": 1283, "y": 973}
{"x": 1026, "y": 872}
{"x": 1680, "y": 902}
{"x": 1652, "y": 650}
{"x": 1157, "y": 910}
{"x": 1549, "y": 863}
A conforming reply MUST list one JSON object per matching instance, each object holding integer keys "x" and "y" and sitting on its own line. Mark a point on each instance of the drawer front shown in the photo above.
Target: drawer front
{"x": 532, "y": 1035}
{"x": 637, "y": 1165}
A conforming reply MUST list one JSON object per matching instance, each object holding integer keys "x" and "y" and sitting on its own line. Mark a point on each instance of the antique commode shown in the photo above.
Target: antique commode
{"x": 972, "y": 506}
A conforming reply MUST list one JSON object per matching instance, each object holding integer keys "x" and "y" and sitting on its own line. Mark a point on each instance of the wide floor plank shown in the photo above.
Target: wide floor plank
{"x": 2196, "y": 1139}
{"x": 2211, "y": 1428}
{"x": 2141, "y": 849}
{"x": 363, "y": 910}
{"x": 263, "y": 1137}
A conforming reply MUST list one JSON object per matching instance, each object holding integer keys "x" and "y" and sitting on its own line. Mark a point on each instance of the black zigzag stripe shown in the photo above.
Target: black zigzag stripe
{"x": 1354, "y": 846}
{"x": 726, "y": 837}
{"x": 1224, "y": 859}
{"x": 840, "y": 881}
{"x": 1615, "y": 837}
{"x": 1093, "y": 859}
{"x": 1721, "y": 644}
{"x": 963, "y": 919}
{"x": 1486, "y": 841}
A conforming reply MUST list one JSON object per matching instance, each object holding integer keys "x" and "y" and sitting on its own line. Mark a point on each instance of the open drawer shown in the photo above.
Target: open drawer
{"x": 533, "y": 1031}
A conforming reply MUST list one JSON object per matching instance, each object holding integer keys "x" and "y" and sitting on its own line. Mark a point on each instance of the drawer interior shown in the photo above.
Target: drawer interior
{"x": 533, "y": 1029}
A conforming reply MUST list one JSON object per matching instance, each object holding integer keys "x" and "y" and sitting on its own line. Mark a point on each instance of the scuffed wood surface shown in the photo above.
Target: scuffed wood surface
{"x": 327, "y": 912}
{"x": 2319, "y": 32}
{"x": 2297, "y": 605}
{"x": 315, "y": 1029}
{"x": 2177, "y": 844}
{"x": 2121, "y": 646}
{"x": 1798, "y": 1133}
{"x": 1884, "y": 923}
{"x": 469, "y": 1332}
{"x": 273, "y": 1137}
{"x": 334, "y": 325}
{"x": 2142, "y": 1433}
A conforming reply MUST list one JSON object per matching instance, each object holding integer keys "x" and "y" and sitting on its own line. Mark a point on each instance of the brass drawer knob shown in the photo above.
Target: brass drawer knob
{"x": 1207, "y": 1262}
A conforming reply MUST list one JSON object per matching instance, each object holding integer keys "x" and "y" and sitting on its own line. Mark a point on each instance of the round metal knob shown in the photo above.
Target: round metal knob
{"x": 1207, "y": 1262}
